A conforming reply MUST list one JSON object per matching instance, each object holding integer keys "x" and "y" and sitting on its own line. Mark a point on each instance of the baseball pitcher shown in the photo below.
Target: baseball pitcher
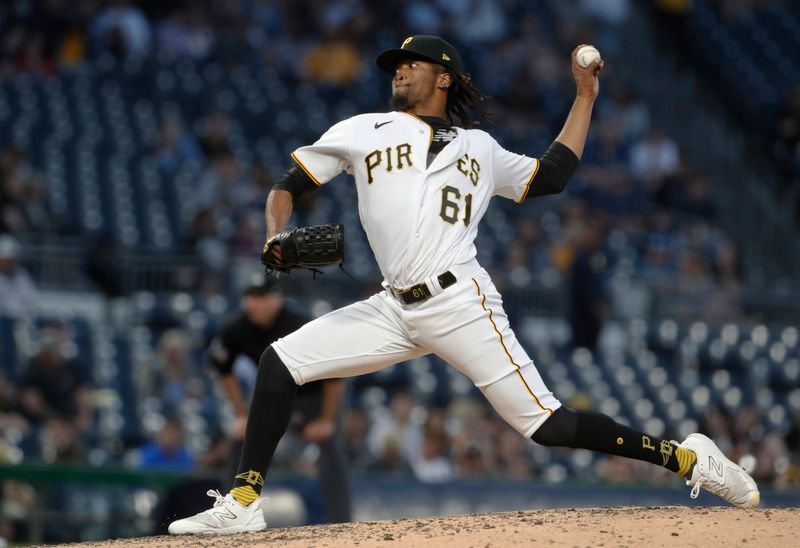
{"x": 424, "y": 177}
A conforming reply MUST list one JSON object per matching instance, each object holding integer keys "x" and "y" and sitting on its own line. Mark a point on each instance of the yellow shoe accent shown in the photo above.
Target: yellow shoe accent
{"x": 252, "y": 477}
{"x": 686, "y": 460}
{"x": 244, "y": 495}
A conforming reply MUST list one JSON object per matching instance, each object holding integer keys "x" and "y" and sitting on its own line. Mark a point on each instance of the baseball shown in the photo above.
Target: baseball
{"x": 586, "y": 56}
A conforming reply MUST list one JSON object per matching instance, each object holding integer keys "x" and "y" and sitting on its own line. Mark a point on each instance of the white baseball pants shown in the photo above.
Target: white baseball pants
{"x": 465, "y": 325}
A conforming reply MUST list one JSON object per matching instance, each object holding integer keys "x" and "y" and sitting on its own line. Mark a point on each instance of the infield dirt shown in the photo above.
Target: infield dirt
{"x": 626, "y": 526}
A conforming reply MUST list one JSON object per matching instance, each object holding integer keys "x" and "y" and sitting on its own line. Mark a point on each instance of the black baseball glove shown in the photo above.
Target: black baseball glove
{"x": 310, "y": 247}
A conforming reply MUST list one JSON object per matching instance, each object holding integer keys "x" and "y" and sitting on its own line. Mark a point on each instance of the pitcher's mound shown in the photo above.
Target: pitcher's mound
{"x": 627, "y": 526}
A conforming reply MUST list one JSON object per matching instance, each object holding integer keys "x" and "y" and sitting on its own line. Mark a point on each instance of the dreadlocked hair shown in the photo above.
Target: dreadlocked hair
{"x": 463, "y": 97}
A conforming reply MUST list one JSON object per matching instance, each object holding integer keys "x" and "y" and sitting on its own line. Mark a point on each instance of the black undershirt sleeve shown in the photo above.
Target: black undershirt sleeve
{"x": 296, "y": 182}
{"x": 555, "y": 166}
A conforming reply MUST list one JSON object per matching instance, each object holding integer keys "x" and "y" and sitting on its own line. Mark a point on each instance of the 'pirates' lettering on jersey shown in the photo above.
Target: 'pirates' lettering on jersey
{"x": 469, "y": 167}
{"x": 429, "y": 223}
{"x": 389, "y": 158}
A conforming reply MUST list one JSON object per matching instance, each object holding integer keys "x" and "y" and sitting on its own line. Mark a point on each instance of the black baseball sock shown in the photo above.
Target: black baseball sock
{"x": 267, "y": 421}
{"x": 598, "y": 432}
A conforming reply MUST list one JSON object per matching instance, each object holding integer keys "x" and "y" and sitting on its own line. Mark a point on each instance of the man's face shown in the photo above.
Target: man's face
{"x": 415, "y": 81}
{"x": 262, "y": 308}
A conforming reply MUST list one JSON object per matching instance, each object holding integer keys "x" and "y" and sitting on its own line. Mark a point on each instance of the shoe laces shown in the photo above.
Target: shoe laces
{"x": 716, "y": 487}
{"x": 220, "y": 498}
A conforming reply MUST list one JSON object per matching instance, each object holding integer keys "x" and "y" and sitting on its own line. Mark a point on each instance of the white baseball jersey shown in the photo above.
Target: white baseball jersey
{"x": 421, "y": 220}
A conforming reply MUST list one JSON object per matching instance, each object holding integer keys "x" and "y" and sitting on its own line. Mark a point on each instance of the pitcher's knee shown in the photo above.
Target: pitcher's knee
{"x": 273, "y": 375}
{"x": 560, "y": 430}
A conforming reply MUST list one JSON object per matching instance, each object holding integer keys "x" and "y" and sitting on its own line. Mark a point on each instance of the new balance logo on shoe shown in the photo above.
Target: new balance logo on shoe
{"x": 227, "y": 516}
{"x": 717, "y": 467}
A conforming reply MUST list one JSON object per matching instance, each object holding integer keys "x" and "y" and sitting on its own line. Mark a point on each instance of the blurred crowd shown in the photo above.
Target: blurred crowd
{"x": 636, "y": 206}
{"x": 637, "y": 219}
{"x": 50, "y": 414}
{"x": 768, "y": 105}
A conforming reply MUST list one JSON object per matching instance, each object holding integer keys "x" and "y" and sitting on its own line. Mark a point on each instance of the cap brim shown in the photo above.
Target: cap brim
{"x": 388, "y": 59}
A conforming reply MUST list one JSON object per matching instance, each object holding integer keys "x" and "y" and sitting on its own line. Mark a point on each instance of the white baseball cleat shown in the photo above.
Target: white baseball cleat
{"x": 719, "y": 475}
{"x": 225, "y": 518}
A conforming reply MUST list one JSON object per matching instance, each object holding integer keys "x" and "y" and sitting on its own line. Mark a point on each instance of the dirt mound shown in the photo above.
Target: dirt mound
{"x": 656, "y": 526}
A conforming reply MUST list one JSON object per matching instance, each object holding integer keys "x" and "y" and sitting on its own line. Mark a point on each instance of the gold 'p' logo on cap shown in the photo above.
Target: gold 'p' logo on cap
{"x": 406, "y": 41}
{"x": 445, "y": 57}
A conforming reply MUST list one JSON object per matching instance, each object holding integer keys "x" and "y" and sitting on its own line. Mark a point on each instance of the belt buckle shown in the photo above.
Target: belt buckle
{"x": 405, "y": 296}
{"x": 396, "y": 294}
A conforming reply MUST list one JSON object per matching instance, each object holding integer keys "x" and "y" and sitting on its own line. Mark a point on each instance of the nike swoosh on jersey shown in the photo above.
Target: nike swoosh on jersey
{"x": 377, "y": 125}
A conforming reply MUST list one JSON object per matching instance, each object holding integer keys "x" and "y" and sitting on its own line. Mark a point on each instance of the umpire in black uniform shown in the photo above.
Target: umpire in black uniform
{"x": 235, "y": 353}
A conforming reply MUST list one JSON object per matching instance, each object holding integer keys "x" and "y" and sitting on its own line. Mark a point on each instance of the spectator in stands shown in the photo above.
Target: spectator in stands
{"x": 725, "y": 302}
{"x": 659, "y": 260}
{"x": 423, "y": 17}
{"x": 123, "y": 30}
{"x": 694, "y": 287}
{"x": 772, "y": 457}
{"x": 473, "y": 461}
{"x": 611, "y": 12}
{"x": 215, "y": 134}
{"x": 227, "y": 187}
{"x": 654, "y": 157}
{"x": 56, "y": 387}
{"x": 19, "y": 500}
{"x": 432, "y": 463}
{"x": 391, "y": 462}
{"x": 474, "y": 432}
{"x": 605, "y": 150}
{"x": 589, "y": 303}
{"x": 482, "y": 22}
{"x": 185, "y": 34}
{"x": 176, "y": 145}
{"x": 168, "y": 450}
{"x": 206, "y": 243}
{"x": 630, "y": 112}
{"x": 334, "y": 61}
{"x": 28, "y": 43}
{"x": 23, "y": 200}
{"x": 687, "y": 191}
{"x": 397, "y": 430}
{"x": 171, "y": 375}
{"x": 513, "y": 460}
{"x": 61, "y": 441}
{"x": 613, "y": 191}
{"x": 18, "y": 295}
{"x": 719, "y": 425}
{"x": 518, "y": 264}
{"x": 355, "y": 426}
{"x": 248, "y": 235}
{"x": 102, "y": 265}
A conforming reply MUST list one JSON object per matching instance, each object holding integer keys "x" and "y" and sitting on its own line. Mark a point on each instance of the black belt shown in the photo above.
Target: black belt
{"x": 421, "y": 291}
